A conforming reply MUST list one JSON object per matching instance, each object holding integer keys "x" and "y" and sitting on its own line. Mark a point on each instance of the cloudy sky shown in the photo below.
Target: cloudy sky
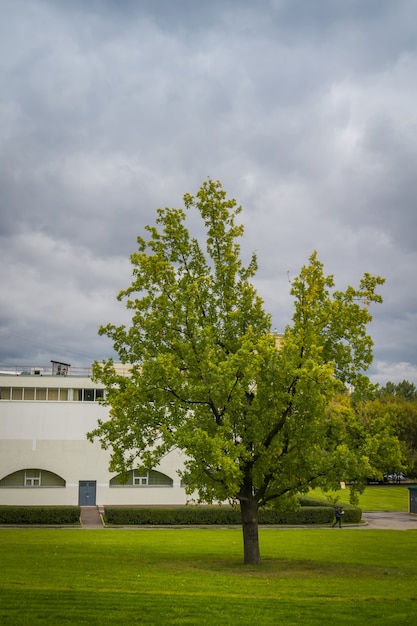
{"x": 305, "y": 111}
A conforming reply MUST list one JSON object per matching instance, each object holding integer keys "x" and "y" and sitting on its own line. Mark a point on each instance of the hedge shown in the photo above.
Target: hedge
{"x": 352, "y": 515}
{"x": 168, "y": 516}
{"x": 50, "y": 515}
{"x": 223, "y": 515}
{"x": 310, "y": 512}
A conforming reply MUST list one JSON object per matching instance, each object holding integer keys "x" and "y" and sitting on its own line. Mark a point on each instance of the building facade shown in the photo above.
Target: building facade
{"x": 45, "y": 457}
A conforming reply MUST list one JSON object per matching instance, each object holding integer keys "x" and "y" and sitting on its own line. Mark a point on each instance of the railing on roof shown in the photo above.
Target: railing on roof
{"x": 45, "y": 370}
{"x": 52, "y": 370}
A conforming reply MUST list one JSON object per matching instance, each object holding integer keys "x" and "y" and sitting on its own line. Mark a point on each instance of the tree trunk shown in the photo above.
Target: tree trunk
{"x": 249, "y": 513}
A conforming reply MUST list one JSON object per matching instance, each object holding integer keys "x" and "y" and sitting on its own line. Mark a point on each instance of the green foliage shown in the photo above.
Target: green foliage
{"x": 405, "y": 426}
{"x": 311, "y": 511}
{"x": 394, "y": 418}
{"x": 206, "y": 374}
{"x": 303, "y": 516}
{"x": 352, "y": 515}
{"x": 168, "y": 516}
{"x": 48, "y": 515}
{"x": 367, "y": 429}
{"x": 206, "y": 516}
{"x": 405, "y": 390}
{"x": 310, "y": 501}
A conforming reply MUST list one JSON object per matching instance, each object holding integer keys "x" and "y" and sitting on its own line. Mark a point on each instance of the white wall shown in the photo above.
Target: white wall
{"x": 52, "y": 436}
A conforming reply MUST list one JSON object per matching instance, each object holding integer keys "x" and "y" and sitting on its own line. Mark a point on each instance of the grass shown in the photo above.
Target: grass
{"x": 196, "y": 577}
{"x": 374, "y": 498}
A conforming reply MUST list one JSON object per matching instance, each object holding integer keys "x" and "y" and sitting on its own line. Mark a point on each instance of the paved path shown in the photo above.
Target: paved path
{"x": 90, "y": 517}
{"x": 390, "y": 520}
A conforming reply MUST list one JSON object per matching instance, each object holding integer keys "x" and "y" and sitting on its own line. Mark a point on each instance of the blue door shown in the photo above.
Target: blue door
{"x": 87, "y": 493}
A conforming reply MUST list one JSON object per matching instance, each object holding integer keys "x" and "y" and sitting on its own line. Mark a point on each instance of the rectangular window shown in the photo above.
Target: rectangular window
{"x": 41, "y": 394}
{"x": 4, "y": 393}
{"x": 17, "y": 393}
{"x": 140, "y": 478}
{"x": 88, "y": 395}
{"x": 53, "y": 394}
{"x": 77, "y": 395}
{"x": 32, "y": 478}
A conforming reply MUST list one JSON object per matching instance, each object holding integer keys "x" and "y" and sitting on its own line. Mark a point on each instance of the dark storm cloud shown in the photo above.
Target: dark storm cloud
{"x": 304, "y": 110}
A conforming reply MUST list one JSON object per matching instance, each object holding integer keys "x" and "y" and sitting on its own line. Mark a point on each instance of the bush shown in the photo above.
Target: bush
{"x": 50, "y": 515}
{"x": 168, "y": 516}
{"x": 304, "y": 515}
{"x": 353, "y": 514}
{"x": 223, "y": 515}
{"x": 307, "y": 501}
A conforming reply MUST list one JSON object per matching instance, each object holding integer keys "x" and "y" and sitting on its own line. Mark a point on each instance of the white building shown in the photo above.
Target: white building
{"x": 45, "y": 457}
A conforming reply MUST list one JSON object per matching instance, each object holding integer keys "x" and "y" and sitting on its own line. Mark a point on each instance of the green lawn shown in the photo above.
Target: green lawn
{"x": 374, "y": 498}
{"x": 196, "y": 577}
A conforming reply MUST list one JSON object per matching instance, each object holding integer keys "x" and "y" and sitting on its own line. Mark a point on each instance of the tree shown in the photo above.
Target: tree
{"x": 398, "y": 407}
{"x": 207, "y": 376}
{"x": 405, "y": 412}
{"x": 378, "y": 422}
{"x": 399, "y": 401}
{"x": 404, "y": 389}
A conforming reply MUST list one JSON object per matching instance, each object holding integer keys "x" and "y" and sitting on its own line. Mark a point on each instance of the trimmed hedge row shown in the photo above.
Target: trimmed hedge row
{"x": 222, "y": 515}
{"x": 352, "y": 515}
{"x": 167, "y": 516}
{"x": 51, "y": 515}
{"x": 310, "y": 512}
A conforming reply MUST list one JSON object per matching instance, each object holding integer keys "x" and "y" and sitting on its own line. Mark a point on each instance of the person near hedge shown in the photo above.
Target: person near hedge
{"x": 338, "y": 513}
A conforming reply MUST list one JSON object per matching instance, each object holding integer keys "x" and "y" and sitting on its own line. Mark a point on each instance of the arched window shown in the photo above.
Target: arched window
{"x": 141, "y": 477}
{"x": 32, "y": 477}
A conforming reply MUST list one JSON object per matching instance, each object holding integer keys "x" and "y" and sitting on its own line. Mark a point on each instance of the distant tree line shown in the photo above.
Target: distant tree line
{"x": 394, "y": 408}
{"x": 404, "y": 390}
